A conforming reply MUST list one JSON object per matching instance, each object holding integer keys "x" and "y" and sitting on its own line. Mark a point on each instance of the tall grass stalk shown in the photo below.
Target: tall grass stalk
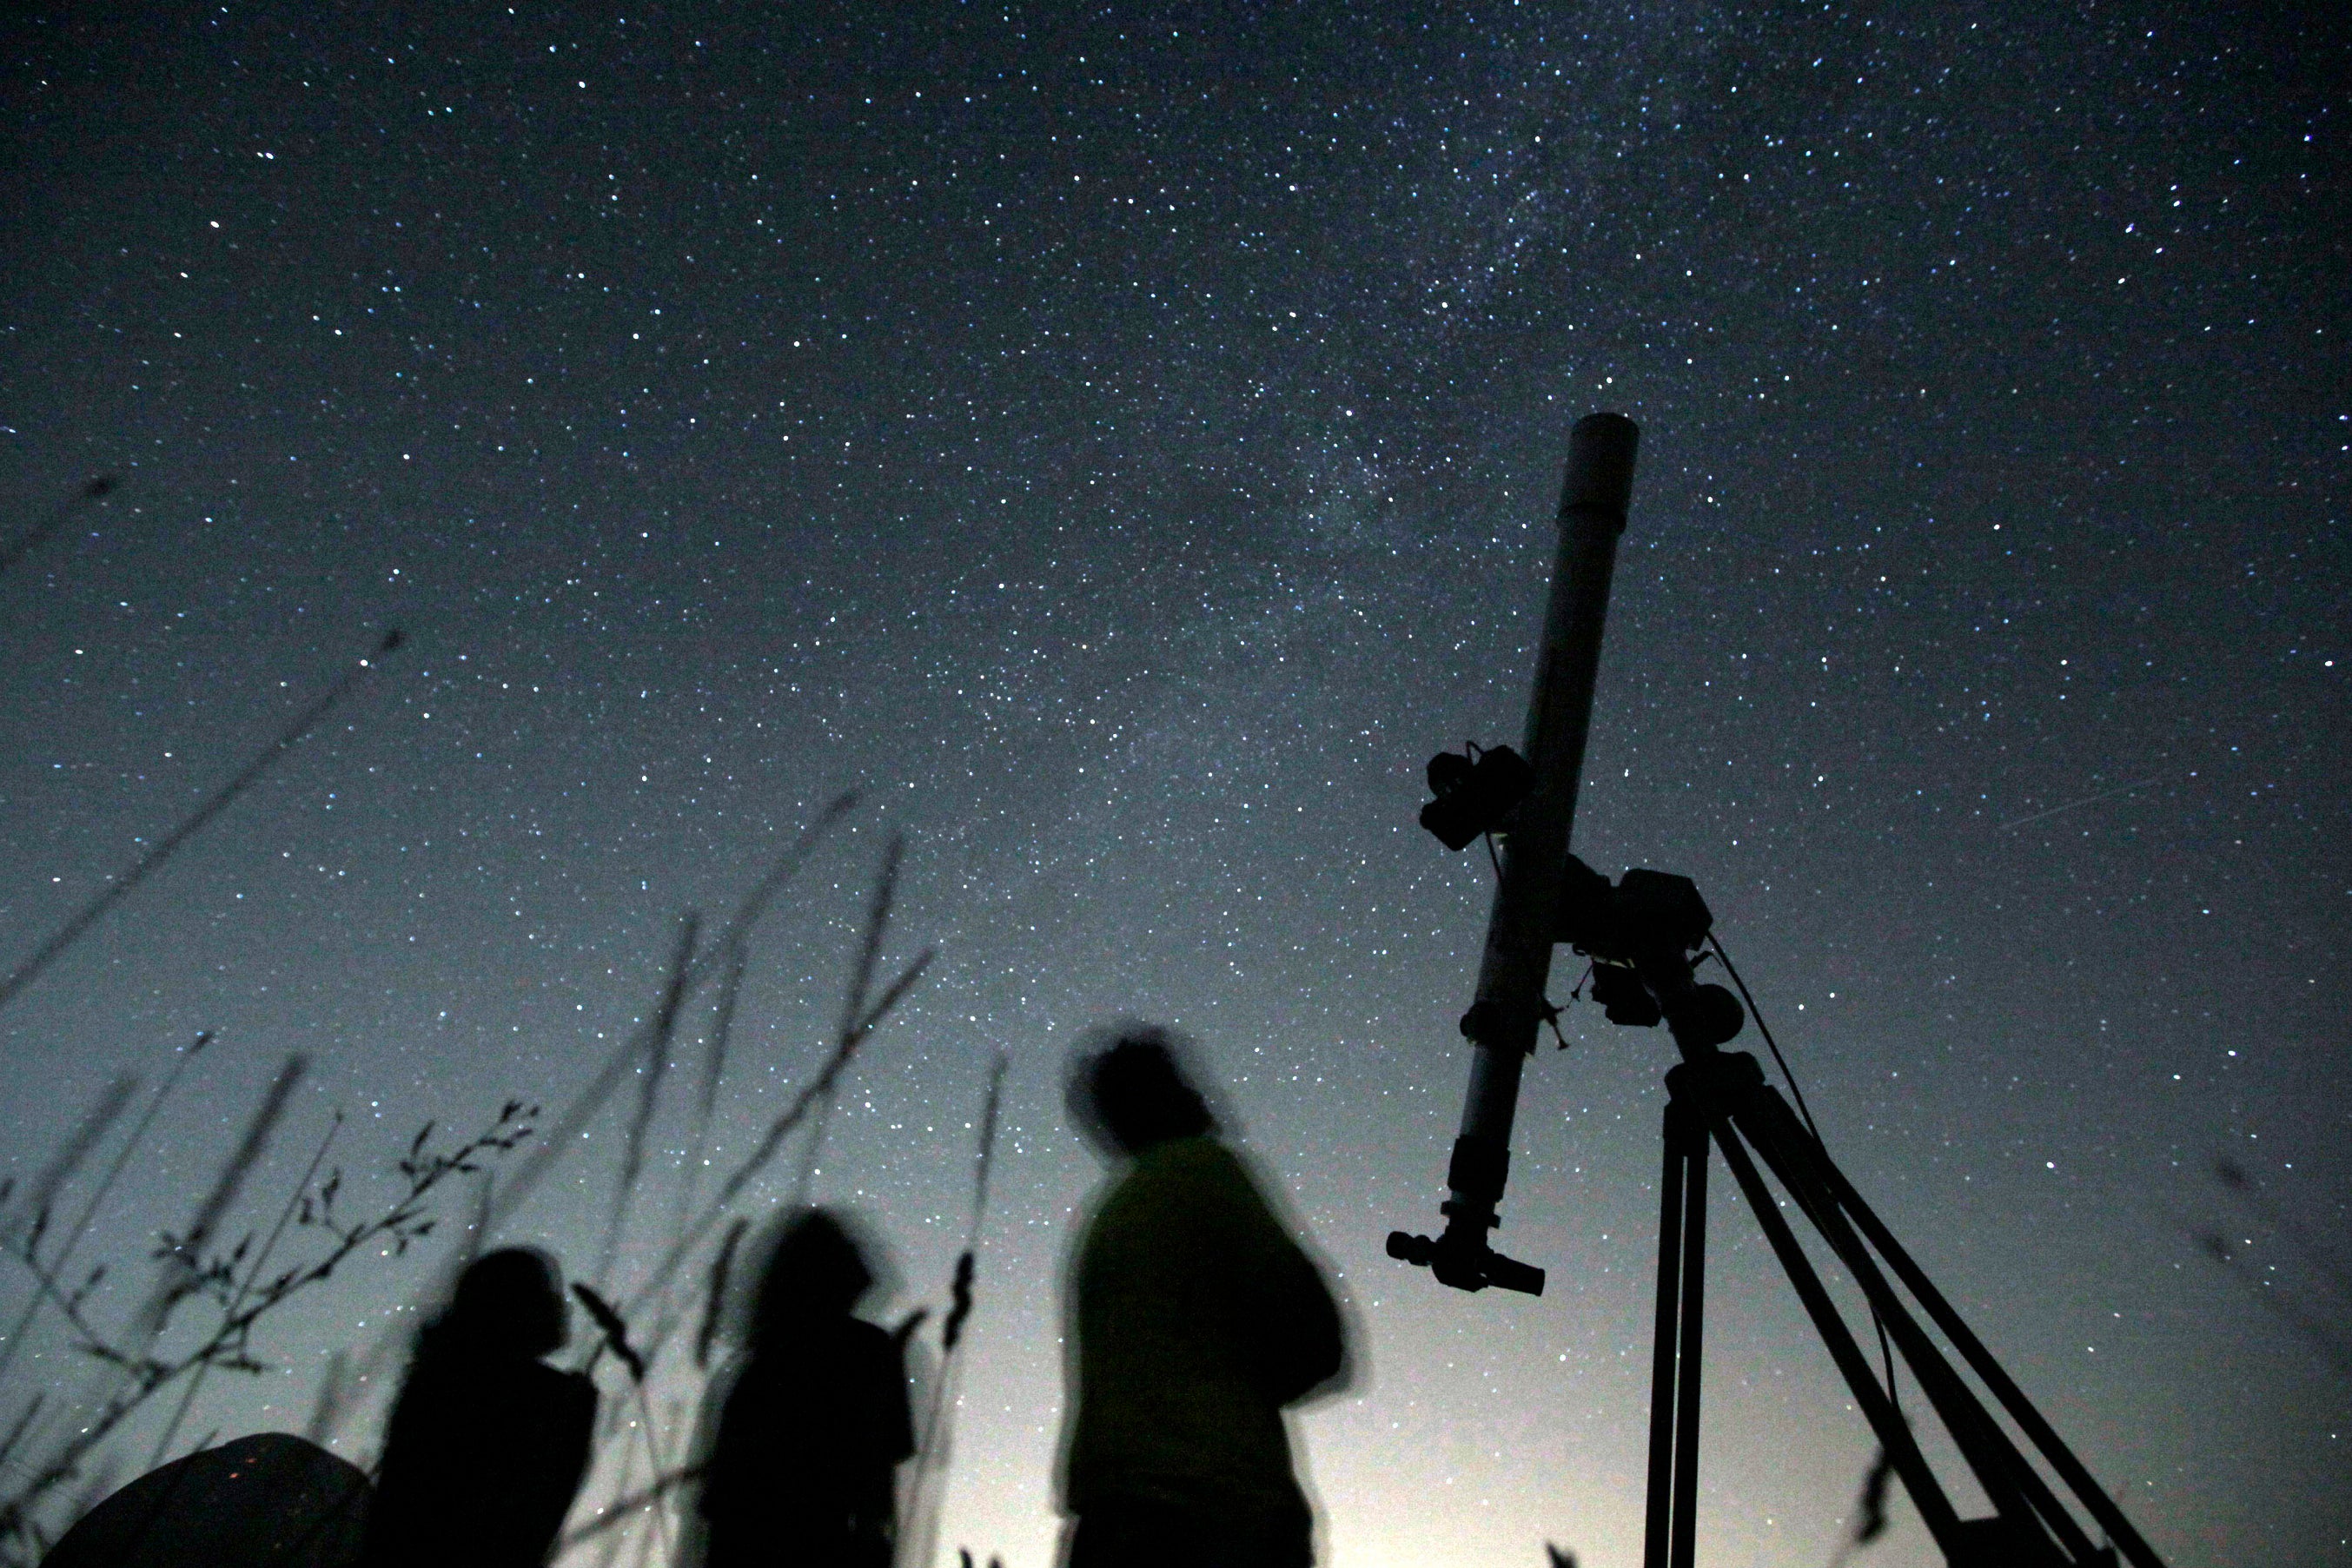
{"x": 163, "y": 848}
{"x": 26, "y": 1222}
{"x": 564, "y": 1135}
{"x": 863, "y": 1014}
{"x": 252, "y": 1278}
{"x": 82, "y": 1222}
{"x": 242, "y": 1296}
{"x": 377, "y": 1360}
{"x": 184, "y": 1269}
{"x": 652, "y": 1071}
{"x": 927, "y": 1490}
{"x": 865, "y": 1007}
{"x": 714, "y": 1068}
{"x": 32, "y": 539}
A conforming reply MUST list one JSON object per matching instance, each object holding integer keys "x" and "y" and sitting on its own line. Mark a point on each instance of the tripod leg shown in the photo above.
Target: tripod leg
{"x": 2017, "y": 1492}
{"x": 1663, "y": 1338}
{"x": 2085, "y": 1486}
{"x": 1936, "y": 1510}
{"x": 1685, "y": 1545}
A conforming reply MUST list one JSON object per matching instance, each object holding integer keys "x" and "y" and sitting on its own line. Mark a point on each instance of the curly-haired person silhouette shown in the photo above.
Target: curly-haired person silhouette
{"x": 801, "y": 1466}
{"x": 1195, "y": 1320}
{"x": 488, "y": 1443}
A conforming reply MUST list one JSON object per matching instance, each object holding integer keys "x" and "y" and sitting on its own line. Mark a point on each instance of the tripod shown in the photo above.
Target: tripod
{"x": 1721, "y": 1098}
{"x": 1641, "y": 934}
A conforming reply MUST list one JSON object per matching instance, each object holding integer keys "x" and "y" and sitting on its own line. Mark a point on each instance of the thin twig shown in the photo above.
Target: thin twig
{"x": 252, "y": 1275}
{"x": 615, "y": 1329}
{"x": 853, "y": 1008}
{"x": 781, "y": 1128}
{"x": 859, "y": 1020}
{"x": 714, "y": 1068}
{"x": 812, "y": 1150}
{"x": 927, "y": 1491}
{"x": 24, "y": 1229}
{"x": 122, "y": 1157}
{"x": 714, "y": 1307}
{"x": 616, "y": 1512}
{"x": 24, "y": 1425}
{"x": 140, "y": 1375}
{"x": 184, "y": 1272}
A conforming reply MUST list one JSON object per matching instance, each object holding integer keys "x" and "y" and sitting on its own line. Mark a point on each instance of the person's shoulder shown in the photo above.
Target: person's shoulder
{"x": 1202, "y": 1164}
{"x": 1200, "y": 1155}
{"x": 850, "y": 1328}
{"x": 565, "y": 1390}
{"x": 870, "y": 1342}
{"x": 1184, "y": 1181}
{"x": 818, "y": 1338}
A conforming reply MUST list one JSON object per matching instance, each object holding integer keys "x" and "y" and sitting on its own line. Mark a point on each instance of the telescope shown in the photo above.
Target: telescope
{"x": 1645, "y": 935}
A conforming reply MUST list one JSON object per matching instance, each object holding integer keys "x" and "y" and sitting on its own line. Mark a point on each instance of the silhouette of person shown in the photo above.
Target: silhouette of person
{"x": 1194, "y": 1320}
{"x": 802, "y": 1466}
{"x": 488, "y": 1443}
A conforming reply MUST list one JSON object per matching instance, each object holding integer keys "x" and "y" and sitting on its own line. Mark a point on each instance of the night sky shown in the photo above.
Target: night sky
{"x": 1124, "y": 446}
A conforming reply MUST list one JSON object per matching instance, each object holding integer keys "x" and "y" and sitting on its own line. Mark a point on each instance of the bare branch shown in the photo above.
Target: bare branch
{"x": 621, "y": 1511}
{"x": 715, "y": 1291}
{"x": 285, "y": 1217}
{"x": 245, "y": 1294}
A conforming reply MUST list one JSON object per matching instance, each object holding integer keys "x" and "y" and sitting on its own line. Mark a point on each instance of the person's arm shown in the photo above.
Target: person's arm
{"x": 898, "y": 1422}
{"x": 1309, "y": 1347}
{"x": 553, "y": 1476}
{"x": 577, "y": 1437}
{"x": 1291, "y": 1316}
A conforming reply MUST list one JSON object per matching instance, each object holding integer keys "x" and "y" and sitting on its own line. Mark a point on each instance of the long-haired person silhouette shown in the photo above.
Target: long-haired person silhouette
{"x": 801, "y": 1467}
{"x": 488, "y": 1443}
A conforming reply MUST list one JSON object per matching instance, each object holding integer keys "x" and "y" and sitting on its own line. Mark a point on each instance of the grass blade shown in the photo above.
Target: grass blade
{"x": 32, "y": 539}
{"x": 564, "y": 1135}
{"x": 655, "y": 1067}
{"x": 25, "y": 973}
{"x": 31, "y": 1213}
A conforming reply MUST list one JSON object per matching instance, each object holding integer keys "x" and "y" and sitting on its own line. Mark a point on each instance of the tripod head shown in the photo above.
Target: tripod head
{"x": 1641, "y": 934}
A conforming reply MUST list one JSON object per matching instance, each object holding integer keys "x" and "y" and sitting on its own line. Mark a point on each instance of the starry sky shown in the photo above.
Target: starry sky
{"x": 1123, "y": 445}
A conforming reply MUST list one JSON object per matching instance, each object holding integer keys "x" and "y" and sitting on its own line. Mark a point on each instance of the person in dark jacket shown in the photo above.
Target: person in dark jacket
{"x": 801, "y": 1467}
{"x": 488, "y": 1443}
{"x": 1196, "y": 1320}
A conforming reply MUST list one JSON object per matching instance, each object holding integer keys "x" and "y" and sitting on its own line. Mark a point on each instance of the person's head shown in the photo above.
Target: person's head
{"x": 1128, "y": 1089}
{"x": 815, "y": 1270}
{"x": 509, "y": 1302}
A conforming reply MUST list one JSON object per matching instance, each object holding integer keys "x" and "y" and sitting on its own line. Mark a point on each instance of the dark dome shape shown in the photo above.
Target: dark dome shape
{"x": 270, "y": 1500}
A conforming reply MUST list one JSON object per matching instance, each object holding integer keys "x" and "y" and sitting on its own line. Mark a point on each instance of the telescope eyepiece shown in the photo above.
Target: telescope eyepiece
{"x": 1466, "y": 1267}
